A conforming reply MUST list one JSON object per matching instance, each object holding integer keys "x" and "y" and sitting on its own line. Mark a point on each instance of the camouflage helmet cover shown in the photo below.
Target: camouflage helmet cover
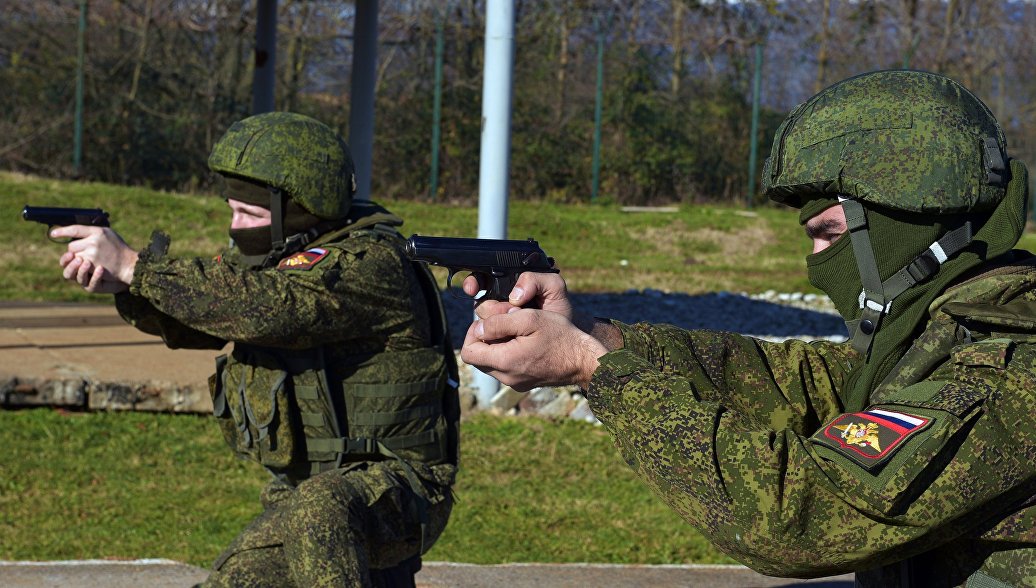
{"x": 291, "y": 152}
{"x": 902, "y": 139}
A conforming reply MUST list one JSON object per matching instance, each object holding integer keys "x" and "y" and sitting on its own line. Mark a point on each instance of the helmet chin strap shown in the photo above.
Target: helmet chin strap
{"x": 276, "y": 219}
{"x": 281, "y": 247}
{"x": 877, "y": 295}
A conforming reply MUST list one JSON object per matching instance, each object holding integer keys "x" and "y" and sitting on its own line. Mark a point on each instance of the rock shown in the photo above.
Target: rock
{"x": 506, "y": 399}
{"x": 149, "y": 396}
{"x": 582, "y": 412}
{"x": 69, "y": 393}
{"x": 536, "y": 399}
{"x": 559, "y": 408}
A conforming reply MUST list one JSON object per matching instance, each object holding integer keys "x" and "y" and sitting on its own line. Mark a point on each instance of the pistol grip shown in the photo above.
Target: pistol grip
{"x": 501, "y": 286}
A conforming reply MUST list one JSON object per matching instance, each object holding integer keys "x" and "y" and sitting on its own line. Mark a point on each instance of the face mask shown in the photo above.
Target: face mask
{"x": 253, "y": 241}
{"x": 833, "y": 271}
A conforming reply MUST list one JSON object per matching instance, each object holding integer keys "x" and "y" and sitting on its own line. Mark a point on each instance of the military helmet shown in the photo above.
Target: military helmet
{"x": 296, "y": 154}
{"x": 902, "y": 139}
{"x": 916, "y": 145}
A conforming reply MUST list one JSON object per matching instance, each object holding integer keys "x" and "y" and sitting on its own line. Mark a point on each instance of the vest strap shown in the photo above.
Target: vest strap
{"x": 370, "y": 446}
{"x": 393, "y": 390}
{"x": 927, "y": 264}
{"x": 303, "y": 392}
{"x": 377, "y": 419}
{"x": 981, "y": 579}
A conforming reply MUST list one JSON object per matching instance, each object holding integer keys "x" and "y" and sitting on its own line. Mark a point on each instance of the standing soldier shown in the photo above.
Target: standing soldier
{"x": 907, "y": 454}
{"x": 341, "y": 380}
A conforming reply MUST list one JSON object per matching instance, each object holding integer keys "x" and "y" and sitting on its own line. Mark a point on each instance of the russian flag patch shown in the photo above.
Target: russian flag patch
{"x": 304, "y": 260}
{"x": 870, "y": 437}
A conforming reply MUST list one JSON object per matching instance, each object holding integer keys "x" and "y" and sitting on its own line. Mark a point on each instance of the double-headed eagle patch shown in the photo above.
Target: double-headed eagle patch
{"x": 870, "y": 437}
{"x": 304, "y": 260}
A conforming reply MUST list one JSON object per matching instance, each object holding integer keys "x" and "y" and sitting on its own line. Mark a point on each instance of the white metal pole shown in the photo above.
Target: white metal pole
{"x": 495, "y": 152}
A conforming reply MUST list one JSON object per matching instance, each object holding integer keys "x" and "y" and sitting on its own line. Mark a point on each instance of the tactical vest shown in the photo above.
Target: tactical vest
{"x": 299, "y": 413}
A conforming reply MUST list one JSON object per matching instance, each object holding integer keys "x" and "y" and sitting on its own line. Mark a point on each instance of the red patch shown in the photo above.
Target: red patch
{"x": 871, "y": 436}
{"x": 303, "y": 261}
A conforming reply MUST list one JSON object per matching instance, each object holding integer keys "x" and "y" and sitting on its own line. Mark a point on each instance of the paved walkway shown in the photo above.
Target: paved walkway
{"x": 168, "y": 574}
{"x": 84, "y": 355}
{"x": 66, "y": 352}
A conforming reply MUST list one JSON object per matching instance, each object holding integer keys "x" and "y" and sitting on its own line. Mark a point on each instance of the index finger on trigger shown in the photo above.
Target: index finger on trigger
{"x": 470, "y": 285}
{"x": 72, "y": 231}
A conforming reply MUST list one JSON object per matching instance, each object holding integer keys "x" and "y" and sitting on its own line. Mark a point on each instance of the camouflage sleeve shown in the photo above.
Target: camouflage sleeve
{"x": 862, "y": 490}
{"x": 139, "y": 312}
{"x": 790, "y": 385}
{"x": 358, "y": 288}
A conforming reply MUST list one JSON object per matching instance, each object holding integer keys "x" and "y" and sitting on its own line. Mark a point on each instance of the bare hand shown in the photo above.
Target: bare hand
{"x": 527, "y": 348}
{"x": 97, "y": 259}
{"x": 532, "y": 290}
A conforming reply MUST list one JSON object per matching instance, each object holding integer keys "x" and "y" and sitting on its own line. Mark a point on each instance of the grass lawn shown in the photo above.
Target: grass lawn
{"x": 135, "y": 485}
{"x": 599, "y": 248}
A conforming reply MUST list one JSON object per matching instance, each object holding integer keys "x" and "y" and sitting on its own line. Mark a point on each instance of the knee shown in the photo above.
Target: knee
{"x": 327, "y": 501}
{"x": 251, "y": 568}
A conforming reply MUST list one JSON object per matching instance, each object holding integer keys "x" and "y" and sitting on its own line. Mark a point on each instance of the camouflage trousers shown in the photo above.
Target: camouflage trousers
{"x": 339, "y": 528}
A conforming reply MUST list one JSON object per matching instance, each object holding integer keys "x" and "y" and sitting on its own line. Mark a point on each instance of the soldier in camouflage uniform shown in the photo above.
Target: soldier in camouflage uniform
{"x": 906, "y": 454}
{"x": 341, "y": 380}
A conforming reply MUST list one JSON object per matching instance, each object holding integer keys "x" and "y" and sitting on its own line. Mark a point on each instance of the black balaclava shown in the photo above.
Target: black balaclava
{"x": 256, "y": 243}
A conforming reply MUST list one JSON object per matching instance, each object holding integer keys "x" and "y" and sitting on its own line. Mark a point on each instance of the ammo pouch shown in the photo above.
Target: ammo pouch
{"x": 256, "y": 398}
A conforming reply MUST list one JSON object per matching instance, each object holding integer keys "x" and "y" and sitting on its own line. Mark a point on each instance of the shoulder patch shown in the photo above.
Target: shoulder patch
{"x": 870, "y": 437}
{"x": 303, "y": 261}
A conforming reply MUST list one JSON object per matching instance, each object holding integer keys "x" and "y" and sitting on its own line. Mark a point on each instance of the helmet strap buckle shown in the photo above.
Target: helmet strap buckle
{"x": 993, "y": 161}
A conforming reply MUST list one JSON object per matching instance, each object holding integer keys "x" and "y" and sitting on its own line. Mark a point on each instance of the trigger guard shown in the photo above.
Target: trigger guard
{"x": 482, "y": 292}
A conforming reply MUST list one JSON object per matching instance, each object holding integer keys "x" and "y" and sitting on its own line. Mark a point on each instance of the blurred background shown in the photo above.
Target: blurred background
{"x": 163, "y": 79}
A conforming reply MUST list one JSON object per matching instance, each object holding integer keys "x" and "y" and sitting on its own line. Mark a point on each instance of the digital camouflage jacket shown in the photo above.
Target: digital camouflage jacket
{"x": 932, "y": 483}
{"x": 339, "y": 357}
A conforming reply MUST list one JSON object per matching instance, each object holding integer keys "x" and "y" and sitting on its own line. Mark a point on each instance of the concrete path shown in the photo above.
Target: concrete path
{"x": 168, "y": 574}
{"x": 91, "y": 341}
{"x": 86, "y": 356}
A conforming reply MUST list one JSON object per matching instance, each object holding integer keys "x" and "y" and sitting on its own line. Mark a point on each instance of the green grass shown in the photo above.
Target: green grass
{"x": 599, "y": 248}
{"x": 134, "y": 485}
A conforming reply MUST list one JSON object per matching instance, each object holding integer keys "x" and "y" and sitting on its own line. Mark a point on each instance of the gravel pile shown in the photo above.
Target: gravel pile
{"x": 772, "y": 315}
